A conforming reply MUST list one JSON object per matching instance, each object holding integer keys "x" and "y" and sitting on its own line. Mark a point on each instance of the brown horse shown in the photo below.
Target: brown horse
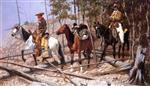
{"x": 75, "y": 44}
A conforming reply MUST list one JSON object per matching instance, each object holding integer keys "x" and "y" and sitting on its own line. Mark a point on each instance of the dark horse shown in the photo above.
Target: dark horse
{"x": 109, "y": 39}
{"x": 75, "y": 44}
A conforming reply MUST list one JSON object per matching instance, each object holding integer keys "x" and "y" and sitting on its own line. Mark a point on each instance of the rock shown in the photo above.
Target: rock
{"x": 4, "y": 74}
{"x": 98, "y": 83}
{"x": 45, "y": 79}
{"x": 42, "y": 66}
{"x": 113, "y": 84}
{"x": 69, "y": 84}
{"x": 82, "y": 82}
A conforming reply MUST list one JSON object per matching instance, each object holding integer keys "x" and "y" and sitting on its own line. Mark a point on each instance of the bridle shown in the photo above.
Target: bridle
{"x": 18, "y": 28}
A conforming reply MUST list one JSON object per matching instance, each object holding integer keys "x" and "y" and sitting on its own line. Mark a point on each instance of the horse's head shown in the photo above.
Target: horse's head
{"x": 16, "y": 31}
{"x": 62, "y": 29}
{"x": 100, "y": 30}
{"x": 20, "y": 33}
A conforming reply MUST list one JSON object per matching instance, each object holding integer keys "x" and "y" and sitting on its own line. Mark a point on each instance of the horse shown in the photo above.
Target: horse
{"x": 75, "y": 44}
{"x": 54, "y": 45}
{"x": 109, "y": 39}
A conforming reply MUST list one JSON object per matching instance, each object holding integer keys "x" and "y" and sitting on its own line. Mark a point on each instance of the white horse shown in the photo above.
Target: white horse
{"x": 54, "y": 45}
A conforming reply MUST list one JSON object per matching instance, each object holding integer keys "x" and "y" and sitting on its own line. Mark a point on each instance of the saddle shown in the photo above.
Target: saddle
{"x": 41, "y": 42}
{"x": 83, "y": 34}
{"x": 117, "y": 31}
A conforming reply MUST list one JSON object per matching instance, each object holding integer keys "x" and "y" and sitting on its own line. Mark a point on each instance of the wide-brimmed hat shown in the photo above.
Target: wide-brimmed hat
{"x": 39, "y": 14}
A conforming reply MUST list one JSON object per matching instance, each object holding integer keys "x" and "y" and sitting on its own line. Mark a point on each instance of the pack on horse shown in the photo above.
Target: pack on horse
{"x": 76, "y": 43}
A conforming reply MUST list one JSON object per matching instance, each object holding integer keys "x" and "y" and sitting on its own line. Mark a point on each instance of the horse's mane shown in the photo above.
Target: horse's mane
{"x": 71, "y": 34}
{"x": 25, "y": 34}
{"x": 105, "y": 28}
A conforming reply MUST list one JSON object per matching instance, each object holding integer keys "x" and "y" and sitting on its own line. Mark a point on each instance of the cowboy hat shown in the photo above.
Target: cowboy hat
{"x": 39, "y": 14}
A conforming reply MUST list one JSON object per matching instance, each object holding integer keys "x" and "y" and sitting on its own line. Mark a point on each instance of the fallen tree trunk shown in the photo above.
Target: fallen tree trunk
{"x": 17, "y": 55}
{"x": 117, "y": 63}
{"x": 26, "y": 76}
{"x": 43, "y": 69}
{"x": 19, "y": 73}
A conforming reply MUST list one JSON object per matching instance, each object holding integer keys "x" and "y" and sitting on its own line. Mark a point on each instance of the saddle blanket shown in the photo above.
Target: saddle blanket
{"x": 121, "y": 32}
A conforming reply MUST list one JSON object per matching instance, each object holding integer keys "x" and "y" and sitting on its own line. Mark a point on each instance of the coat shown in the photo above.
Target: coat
{"x": 116, "y": 16}
{"x": 42, "y": 26}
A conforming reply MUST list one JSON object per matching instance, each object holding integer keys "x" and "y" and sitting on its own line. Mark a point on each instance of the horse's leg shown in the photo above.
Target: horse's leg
{"x": 89, "y": 57}
{"x": 86, "y": 54}
{"x": 72, "y": 58}
{"x": 60, "y": 59}
{"x": 128, "y": 46}
{"x": 22, "y": 55}
{"x": 103, "y": 54}
{"x": 101, "y": 43}
{"x": 114, "y": 50}
{"x": 123, "y": 47}
{"x": 80, "y": 62}
{"x": 61, "y": 54}
{"x": 56, "y": 56}
{"x": 35, "y": 59}
{"x": 119, "y": 50}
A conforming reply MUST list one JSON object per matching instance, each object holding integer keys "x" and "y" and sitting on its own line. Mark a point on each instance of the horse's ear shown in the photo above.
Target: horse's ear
{"x": 30, "y": 31}
{"x": 65, "y": 25}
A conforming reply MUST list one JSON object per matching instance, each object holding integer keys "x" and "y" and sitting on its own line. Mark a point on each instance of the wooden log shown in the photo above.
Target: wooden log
{"x": 26, "y": 76}
{"x": 26, "y": 66}
{"x": 63, "y": 74}
{"x": 17, "y": 55}
{"x": 49, "y": 70}
{"x": 19, "y": 73}
{"x": 84, "y": 65}
{"x": 117, "y": 63}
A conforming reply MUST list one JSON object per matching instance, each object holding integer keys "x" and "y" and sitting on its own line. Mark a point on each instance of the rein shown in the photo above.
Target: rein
{"x": 17, "y": 38}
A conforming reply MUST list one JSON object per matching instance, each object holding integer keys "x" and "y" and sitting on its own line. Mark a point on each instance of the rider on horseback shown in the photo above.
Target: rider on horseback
{"x": 42, "y": 27}
{"x": 74, "y": 28}
{"x": 116, "y": 22}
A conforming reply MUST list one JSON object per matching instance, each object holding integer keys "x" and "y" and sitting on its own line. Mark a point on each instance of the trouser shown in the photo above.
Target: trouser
{"x": 44, "y": 43}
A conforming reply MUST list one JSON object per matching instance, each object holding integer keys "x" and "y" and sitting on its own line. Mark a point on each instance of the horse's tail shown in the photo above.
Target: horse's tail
{"x": 62, "y": 59}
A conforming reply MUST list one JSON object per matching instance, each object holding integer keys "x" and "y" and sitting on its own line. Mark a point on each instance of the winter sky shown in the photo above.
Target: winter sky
{"x": 8, "y": 13}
